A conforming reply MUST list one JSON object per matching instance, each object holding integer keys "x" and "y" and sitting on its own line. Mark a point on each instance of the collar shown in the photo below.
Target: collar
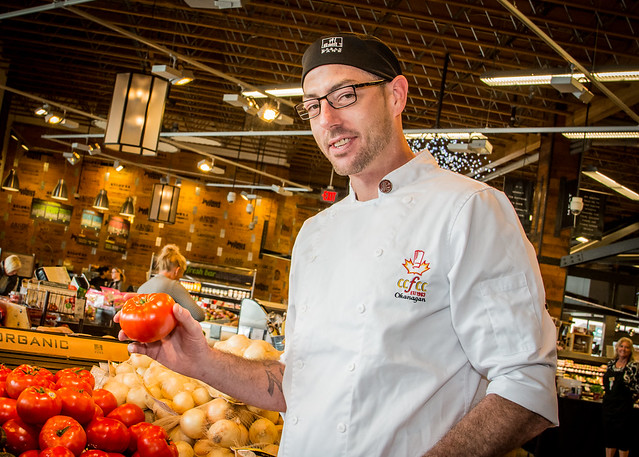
{"x": 400, "y": 177}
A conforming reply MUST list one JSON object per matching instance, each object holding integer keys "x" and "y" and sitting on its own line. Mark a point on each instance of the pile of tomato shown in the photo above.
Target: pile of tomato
{"x": 60, "y": 415}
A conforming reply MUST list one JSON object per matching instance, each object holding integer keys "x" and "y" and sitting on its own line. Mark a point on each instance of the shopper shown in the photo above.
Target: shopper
{"x": 9, "y": 274}
{"x": 117, "y": 279}
{"x": 416, "y": 321}
{"x": 621, "y": 386}
{"x": 171, "y": 266}
{"x": 101, "y": 279}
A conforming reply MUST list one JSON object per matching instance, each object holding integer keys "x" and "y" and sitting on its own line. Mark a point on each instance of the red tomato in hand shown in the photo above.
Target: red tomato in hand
{"x": 21, "y": 437}
{"x": 81, "y": 373}
{"x": 148, "y": 317}
{"x": 128, "y": 413}
{"x": 150, "y": 446}
{"x": 105, "y": 400}
{"x": 24, "y": 376}
{"x": 144, "y": 429}
{"x": 77, "y": 404}
{"x": 56, "y": 451}
{"x": 36, "y": 404}
{"x": 7, "y": 409}
{"x": 108, "y": 434}
{"x": 63, "y": 431}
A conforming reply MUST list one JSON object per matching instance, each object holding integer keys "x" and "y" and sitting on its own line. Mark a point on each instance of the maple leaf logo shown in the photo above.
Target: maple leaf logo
{"x": 416, "y": 265}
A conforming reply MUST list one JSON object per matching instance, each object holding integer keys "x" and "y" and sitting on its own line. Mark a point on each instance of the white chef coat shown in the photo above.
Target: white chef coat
{"x": 405, "y": 311}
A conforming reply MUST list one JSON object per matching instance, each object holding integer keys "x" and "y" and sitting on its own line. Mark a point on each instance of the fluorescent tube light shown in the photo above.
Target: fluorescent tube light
{"x": 544, "y": 76}
{"x": 600, "y": 135}
{"x": 611, "y": 183}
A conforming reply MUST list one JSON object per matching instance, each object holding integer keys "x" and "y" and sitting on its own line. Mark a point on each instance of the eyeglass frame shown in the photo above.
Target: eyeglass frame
{"x": 325, "y": 97}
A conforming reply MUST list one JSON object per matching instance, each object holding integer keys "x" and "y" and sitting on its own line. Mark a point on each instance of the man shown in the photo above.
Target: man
{"x": 9, "y": 274}
{"x": 416, "y": 321}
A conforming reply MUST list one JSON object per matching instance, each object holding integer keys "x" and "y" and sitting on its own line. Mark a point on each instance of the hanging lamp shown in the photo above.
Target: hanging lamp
{"x": 127, "y": 208}
{"x": 11, "y": 182}
{"x": 60, "y": 191}
{"x": 101, "y": 201}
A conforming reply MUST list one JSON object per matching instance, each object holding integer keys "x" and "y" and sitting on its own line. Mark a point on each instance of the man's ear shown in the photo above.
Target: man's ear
{"x": 399, "y": 88}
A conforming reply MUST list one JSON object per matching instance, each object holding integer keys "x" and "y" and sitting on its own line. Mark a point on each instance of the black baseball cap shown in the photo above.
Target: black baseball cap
{"x": 365, "y": 52}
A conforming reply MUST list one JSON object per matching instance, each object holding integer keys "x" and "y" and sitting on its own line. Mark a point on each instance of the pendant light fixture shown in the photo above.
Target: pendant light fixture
{"x": 164, "y": 201}
{"x": 60, "y": 191}
{"x": 11, "y": 182}
{"x": 127, "y": 208}
{"x": 135, "y": 116}
{"x": 101, "y": 201}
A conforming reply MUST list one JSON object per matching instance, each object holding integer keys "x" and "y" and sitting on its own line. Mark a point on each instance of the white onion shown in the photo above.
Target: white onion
{"x": 201, "y": 395}
{"x": 130, "y": 380}
{"x": 184, "y": 449}
{"x": 218, "y": 409}
{"x": 193, "y": 423}
{"x": 203, "y": 447}
{"x": 244, "y": 436}
{"x": 177, "y": 434}
{"x": 225, "y": 433}
{"x": 263, "y": 431}
{"x": 273, "y": 416}
{"x": 272, "y": 449}
{"x": 220, "y": 452}
{"x": 124, "y": 368}
{"x": 118, "y": 390}
{"x": 182, "y": 402}
{"x": 138, "y": 396}
{"x": 140, "y": 360}
{"x": 170, "y": 386}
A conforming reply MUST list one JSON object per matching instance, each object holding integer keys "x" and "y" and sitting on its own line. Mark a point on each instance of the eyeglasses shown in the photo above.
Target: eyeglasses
{"x": 338, "y": 98}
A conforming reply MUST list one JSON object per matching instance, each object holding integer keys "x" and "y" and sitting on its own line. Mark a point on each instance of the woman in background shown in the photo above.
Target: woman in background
{"x": 117, "y": 279}
{"x": 171, "y": 265}
{"x": 621, "y": 385}
{"x": 9, "y": 274}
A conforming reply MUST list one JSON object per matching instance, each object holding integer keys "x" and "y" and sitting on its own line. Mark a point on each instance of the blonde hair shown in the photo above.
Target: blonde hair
{"x": 625, "y": 339}
{"x": 170, "y": 258}
{"x": 12, "y": 264}
{"x": 121, "y": 272}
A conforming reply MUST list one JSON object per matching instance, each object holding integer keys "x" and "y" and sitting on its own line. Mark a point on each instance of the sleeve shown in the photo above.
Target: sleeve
{"x": 498, "y": 303}
{"x": 183, "y": 297}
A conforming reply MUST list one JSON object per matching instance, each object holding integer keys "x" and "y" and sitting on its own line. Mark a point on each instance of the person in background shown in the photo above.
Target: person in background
{"x": 9, "y": 274}
{"x": 416, "y": 323}
{"x": 101, "y": 279}
{"x": 171, "y": 265}
{"x": 117, "y": 279}
{"x": 621, "y": 387}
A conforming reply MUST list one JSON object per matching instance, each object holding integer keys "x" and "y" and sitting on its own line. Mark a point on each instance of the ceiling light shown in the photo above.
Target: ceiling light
{"x": 544, "y": 76}
{"x": 175, "y": 76}
{"x": 281, "y": 190}
{"x": 101, "y": 201}
{"x": 42, "y": 110}
{"x": 568, "y": 84}
{"x": 247, "y": 104}
{"x": 197, "y": 140}
{"x": 460, "y": 136}
{"x": 94, "y": 149}
{"x": 11, "y": 182}
{"x": 24, "y": 146}
{"x": 53, "y": 118}
{"x": 249, "y": 207}
{"x": 600, "y": 135}
{"x": 474, "y": 146}
{"x": 72, "y": 157}
{"x": 231, "y": 197}
{"x": 268, "y": 112}
{"x": 60, "y": 191}
{"x": 611, "y": 183}
{"x": 117, "y": 165}
{"x": 68, "y": 123}
{"x": 14, "y": 136}
{"x": 290, "y": 90}
{"x": 127, "y": 208}
{"x": 246, "y": 196}
{"x": 582, "y": 239}
{"x": 205, "y": 165}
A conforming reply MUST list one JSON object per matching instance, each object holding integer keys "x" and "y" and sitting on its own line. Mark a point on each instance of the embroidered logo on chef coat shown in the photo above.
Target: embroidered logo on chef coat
{"x": 414, "y": 287}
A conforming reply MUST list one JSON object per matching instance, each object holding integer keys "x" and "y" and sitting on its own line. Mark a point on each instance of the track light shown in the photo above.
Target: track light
{"x": 117, "y": 165}
{"x": 72, "y": 157}
{"x": 269, "y": 112}
{"x": 175, "y": 76}
{"x": 246, "y": 103}
{"x": 246, "y": 196}
{"x": 249, "y": 207}
{"x": 281, "y": 190}
{"x": 208, "y": 166}
{"x": 42, "y": 110}
{"x": 231, "y": 197}
{"x": 53, "y": 118}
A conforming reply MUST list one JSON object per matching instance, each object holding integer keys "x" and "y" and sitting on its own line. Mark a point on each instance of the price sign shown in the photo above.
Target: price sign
{"x": 329, "y": 195}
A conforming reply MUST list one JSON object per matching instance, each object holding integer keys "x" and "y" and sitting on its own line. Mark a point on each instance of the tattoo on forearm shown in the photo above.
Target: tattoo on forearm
{"x": 274, "y": 374}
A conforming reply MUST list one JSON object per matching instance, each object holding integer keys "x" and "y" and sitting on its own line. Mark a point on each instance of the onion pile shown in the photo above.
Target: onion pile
{"x": 202, "y": 421}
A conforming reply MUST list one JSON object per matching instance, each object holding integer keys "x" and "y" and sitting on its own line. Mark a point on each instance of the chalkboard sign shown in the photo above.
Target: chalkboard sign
{"x": 520, "y": 193}
{"x": 590, "y": 223}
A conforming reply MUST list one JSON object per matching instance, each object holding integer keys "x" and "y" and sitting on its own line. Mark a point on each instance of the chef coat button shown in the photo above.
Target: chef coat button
{"x": 351, "y": 367}
{"x": 385, "y": 186}
{"x": 294, "y": 420}
{"x": 361, "y": 308}
{"x": 341, "y": 427}
{"x": 378, "y": 252}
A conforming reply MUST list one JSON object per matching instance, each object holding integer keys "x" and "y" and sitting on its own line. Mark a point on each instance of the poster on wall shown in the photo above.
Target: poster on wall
{"x": 118, "y": 229}
{"x": 91, "y": 220}
{"x": 590, "y": 222}
{"x": 51, "y": 211}
{"x": 520, "y": 192}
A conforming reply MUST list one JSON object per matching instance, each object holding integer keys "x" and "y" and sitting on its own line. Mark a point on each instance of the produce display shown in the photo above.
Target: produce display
{"x": 137, "y": 408}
